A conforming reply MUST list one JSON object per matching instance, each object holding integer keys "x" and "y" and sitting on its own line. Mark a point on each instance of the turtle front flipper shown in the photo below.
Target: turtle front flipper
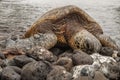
{"x": 85, "y": 41}
{"x": 46, "y": 40}
{"x": 107, "y": 41}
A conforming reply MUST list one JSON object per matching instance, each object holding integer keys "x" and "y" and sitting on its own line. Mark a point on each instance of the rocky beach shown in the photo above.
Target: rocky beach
{"x": 25, "y": 59}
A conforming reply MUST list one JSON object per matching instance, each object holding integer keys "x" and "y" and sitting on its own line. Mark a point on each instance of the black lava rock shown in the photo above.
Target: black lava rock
{"x": 22, "y": 60}
{"x": 59, "y": 73}
{"x": 81, "y": 58}
{"x": 9, "y": 73}
{"x": 36, "y": 70}
{"x": 65, "y": 62}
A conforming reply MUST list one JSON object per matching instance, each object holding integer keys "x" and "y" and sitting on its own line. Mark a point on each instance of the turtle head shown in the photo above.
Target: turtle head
{"x": 107, "y": 41}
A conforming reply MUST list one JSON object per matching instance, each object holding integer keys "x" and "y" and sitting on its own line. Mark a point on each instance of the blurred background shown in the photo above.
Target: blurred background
{"x": 16, "y": 16}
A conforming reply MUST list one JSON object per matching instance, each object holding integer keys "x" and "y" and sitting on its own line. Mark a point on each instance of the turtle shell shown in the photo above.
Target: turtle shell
{"x": 61, "y": 21}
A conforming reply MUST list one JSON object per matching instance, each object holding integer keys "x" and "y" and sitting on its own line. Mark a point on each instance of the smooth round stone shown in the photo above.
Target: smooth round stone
{"x": 36, "y": 70}
{"x": 106, "y": 51}
{"x": 65, "y": 62}
{"x": 22, "y": 60}
{"x": 59, "y": 73}
{"x": 8, "y": 73}
{"x": 81, "y": 58}
{"x": 40, "y": 53}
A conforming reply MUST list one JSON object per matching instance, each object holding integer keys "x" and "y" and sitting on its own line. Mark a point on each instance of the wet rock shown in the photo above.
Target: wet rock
{"x": 81, "y": 58}
{"x": 59, "y": 73}
{"x": 40, "y": 53}
{"x": 99, "y": 76}
{"x": 65, "y": 62}
{"x": 9, "y": 73}
{"x": 22, "y": 60}
{"x": 36, "y": 70}
{"x": 56, "y": 51}
{"x": 106, "y": 51}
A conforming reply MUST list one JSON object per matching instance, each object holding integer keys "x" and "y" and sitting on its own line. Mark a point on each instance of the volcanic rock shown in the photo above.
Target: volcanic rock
{"x": 81, "y": 58}
{"x": 65, "y": 62}
{"x": 8, "y": 73}
{"x": 59, "y": 73}
{"x": 22, "y": 60}
{"x": 36, "y": 70}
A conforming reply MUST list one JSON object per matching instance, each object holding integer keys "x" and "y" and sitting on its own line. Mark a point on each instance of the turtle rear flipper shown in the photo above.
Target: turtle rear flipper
{"x": 107, "y": 41}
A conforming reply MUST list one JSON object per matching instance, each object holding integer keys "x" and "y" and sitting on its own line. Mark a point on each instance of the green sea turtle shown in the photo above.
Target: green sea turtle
{"x": 69, "y": 25}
